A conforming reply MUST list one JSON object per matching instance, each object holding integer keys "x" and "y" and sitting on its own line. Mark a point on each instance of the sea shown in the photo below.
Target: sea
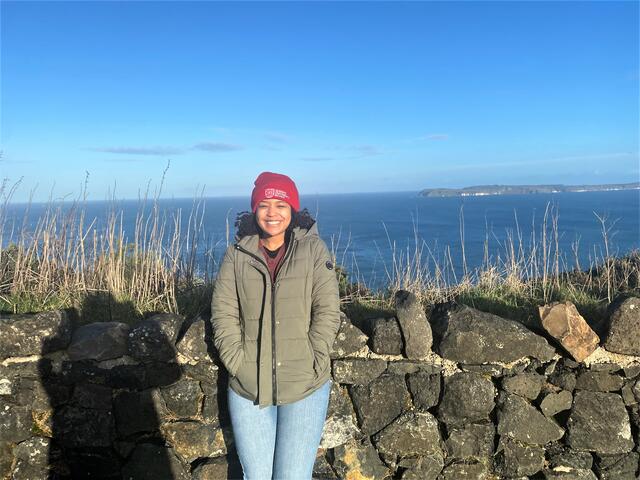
{"x": 377, "y": 236}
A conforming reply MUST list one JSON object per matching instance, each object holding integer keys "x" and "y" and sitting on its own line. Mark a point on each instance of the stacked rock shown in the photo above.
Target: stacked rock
{"x": 493, "y": 399}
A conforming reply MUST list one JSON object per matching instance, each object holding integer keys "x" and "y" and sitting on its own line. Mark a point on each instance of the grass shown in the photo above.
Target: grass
{"x": 68, "y": 261}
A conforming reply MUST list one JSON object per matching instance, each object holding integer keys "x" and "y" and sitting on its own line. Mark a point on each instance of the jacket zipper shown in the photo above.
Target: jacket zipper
{"x": 274, "y": 382}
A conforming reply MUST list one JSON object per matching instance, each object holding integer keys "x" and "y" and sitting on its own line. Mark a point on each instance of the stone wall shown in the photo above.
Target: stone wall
{"x": 452, "y": 393}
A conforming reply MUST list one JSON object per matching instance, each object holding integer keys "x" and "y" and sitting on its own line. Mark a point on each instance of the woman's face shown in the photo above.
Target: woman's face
{"x": 273, "y": 216}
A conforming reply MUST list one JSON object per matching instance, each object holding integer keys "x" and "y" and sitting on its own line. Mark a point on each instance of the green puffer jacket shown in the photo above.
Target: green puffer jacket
{"x": 275, "y": 339}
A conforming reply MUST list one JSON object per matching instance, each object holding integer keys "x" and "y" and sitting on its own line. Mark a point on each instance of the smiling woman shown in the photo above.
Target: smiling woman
{"x": 275, "y": 314}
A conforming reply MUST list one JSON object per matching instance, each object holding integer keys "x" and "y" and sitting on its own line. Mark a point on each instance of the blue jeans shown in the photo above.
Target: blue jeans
{"x": 279, "y": 442}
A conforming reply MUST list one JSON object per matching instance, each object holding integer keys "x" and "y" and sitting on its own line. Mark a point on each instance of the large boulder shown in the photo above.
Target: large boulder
{"x": 521, "y": 421}
{"x": 599, "y": 422}
{"x": 411, "y": 434}
{"x": 45, "y": 332}
{"x": 475, "y": 337}
{"x": 416, "y": 330}
{"x": 379, "y": 402}
{"x": 468, "y": 397}
{"x": 624, "y": 327}
{"x": 566, "y": 325}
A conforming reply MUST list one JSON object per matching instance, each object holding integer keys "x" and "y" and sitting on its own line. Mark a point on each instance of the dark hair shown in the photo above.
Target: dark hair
{"x": 246, "y": 223}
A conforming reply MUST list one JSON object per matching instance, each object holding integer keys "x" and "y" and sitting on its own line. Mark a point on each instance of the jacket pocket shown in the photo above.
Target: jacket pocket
{"x": 317, "y": 368}
{"x": 247, "y": 373}
{"x": 239, "y": 363}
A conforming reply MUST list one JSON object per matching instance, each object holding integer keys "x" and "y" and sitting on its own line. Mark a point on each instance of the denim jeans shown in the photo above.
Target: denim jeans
{"x": 279, "y": 442}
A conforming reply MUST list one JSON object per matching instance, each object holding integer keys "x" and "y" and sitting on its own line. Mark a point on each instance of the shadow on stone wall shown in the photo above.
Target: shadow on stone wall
{"x": 104, "y": 406}
{"x": 109, "y": 400}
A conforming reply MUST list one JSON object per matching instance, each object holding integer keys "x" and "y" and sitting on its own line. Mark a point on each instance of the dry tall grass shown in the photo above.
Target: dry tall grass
{"x": 65, "y": 259}
{"x": 523, "y": 272}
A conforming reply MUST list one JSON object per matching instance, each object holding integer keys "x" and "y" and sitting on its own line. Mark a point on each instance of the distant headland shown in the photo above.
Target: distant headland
{"x": 480, "y": 190}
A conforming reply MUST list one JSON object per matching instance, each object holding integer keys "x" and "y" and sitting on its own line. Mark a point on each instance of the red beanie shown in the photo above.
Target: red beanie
{"x": 274, "y": 185}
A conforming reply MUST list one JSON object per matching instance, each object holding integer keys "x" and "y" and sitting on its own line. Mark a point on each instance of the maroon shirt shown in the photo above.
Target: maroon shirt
{"x": 273, "y": 262}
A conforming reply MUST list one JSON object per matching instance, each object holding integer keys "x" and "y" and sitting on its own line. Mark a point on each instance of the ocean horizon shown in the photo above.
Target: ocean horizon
{"x": 369, "y": 231}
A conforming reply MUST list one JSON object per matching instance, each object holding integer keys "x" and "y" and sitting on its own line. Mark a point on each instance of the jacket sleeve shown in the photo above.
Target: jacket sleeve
{"x": 225, "y": 315}
{"x": 325, "y": 306}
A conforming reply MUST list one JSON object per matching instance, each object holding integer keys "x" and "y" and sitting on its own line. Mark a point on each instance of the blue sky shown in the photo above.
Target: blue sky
{"x": 343, "y": 97}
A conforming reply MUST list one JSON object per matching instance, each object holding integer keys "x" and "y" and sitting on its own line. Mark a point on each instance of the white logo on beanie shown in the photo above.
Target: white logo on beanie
{"x": 275, "y": 193}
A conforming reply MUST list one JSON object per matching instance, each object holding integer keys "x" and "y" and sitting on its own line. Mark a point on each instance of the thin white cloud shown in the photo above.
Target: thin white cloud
{"x": 140, "y": 150}
{"x": 169, "y": 150}
{"x": 272, "y": 136}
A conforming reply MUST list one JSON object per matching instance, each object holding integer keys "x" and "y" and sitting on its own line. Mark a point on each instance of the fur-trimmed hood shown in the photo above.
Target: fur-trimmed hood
{"x": 250, "y": 242}
{"x": 246, "y": 224}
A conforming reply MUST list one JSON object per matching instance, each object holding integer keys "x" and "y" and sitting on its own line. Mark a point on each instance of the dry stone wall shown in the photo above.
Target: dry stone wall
{"x": 453, "y": 393}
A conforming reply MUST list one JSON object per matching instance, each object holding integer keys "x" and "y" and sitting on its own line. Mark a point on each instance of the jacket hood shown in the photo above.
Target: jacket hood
{"x": 251, "y": 242}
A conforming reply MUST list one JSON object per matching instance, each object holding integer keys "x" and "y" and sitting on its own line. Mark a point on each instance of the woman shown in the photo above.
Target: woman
{"x": 275, "y": 315}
